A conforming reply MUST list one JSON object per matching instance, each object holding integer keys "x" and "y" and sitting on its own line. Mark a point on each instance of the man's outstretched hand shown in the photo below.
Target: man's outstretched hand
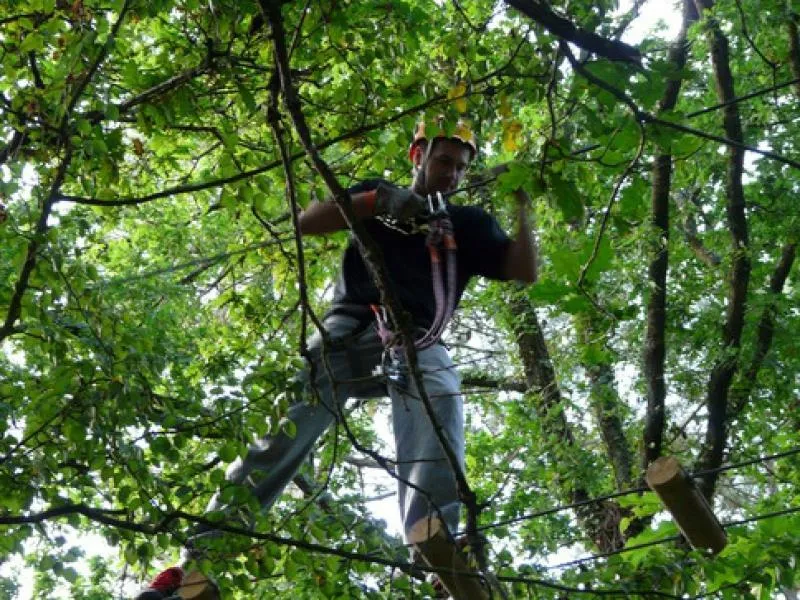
{"x": 399, "y": 203}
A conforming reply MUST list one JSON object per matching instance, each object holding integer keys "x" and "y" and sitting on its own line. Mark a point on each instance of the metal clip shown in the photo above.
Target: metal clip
{"x": 437, "y": 205}
{"x": 394, "y": 368}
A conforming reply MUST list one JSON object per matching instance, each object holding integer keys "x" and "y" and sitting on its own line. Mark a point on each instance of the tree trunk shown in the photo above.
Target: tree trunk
{"x": 601, "y": 521}
{"x": 655, "y": 338}
{"x": 606, "y": 408}
{"x": 722, "y": 374}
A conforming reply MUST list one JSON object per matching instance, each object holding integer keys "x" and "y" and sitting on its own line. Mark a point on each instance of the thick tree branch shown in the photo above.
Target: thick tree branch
{"x": 17, "y": 141}
{"x": 105, "y": 516}
{"x": 15, "y": 304}
{"x": 166, "y": 86}
{"x": 766, "y": 324}
{"x": 655, "y": 340}
{"x": 794, "y": 49}
{"x": 605, "y": 404}
{"x": 766, "y": 330}
{"x": 482, "y": 380}
{"x": 544, "y": 391}
{"x": 38, "y": 238}
{"x": 722, "y": 373}
{"x": 568, "y": 31}
{"x": 86, "y": 77}
{"x": 706, "y": 256}
{"x": 37, "y": 76}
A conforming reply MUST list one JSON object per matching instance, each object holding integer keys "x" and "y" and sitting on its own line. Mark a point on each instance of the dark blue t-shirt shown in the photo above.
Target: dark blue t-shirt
{"x": 482, "y": 247}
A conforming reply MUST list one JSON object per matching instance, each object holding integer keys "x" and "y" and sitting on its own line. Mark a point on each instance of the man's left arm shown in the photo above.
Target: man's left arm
{"x": 522, "y": 255}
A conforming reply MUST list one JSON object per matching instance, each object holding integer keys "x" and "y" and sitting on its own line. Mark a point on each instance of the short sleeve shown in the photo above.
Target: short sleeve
{"x": 366, "y": 185}
{"x": 482, "y": 244}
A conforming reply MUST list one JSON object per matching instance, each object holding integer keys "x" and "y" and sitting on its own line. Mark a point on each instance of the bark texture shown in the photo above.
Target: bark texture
{"x": 717, "y": 397}
{"x": 606, "y": 407}
{"x": 566, "y": 30}
{"x": 765, "y": 332}
{"x": 655, "y": 337}
{"x": 601, "y": 521}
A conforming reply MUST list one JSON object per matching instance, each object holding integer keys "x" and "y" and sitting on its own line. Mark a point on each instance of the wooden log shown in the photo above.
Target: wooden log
{"x": 689, "y": 508}
{"x": 196, "y": 586}
{"x": 431, "y": 540}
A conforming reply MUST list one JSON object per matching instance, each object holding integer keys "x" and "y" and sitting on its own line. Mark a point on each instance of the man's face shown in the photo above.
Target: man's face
{"x": 446, "y": 166}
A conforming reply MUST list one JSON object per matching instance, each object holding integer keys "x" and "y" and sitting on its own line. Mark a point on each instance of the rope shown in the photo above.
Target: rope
{"x": 440, "y": 236}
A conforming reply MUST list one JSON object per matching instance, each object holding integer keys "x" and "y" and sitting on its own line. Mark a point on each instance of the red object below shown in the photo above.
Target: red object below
{"x": 168, "y": 580}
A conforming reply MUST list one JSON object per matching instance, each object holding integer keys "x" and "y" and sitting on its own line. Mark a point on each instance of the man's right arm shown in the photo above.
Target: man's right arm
{"x": 322, "y": 218}
{"x": 401, "y": 204}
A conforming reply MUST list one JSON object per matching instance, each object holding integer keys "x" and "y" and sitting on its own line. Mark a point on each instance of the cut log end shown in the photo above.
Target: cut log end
{"x": 430, "y": 539}
{"x": 663, "y": 470}
{"x": 689, "y": 508}
{"x": 196, "y": 586}
{"x": 425, "y": 529}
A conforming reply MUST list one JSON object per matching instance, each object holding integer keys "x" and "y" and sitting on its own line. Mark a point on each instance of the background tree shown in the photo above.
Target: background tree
{"x": 155, "y": 295}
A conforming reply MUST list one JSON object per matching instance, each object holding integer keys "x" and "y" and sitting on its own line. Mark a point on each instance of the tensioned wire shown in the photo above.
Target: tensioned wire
{"x": 636, "y": 490}
{"x": 672, "y": 538}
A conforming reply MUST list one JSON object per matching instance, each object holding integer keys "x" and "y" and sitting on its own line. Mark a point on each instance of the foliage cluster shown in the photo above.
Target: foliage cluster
{"x": 151, "y": 313}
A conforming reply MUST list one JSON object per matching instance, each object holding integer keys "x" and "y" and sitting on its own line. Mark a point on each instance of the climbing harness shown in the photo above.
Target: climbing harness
{"x": 441, "y": 244}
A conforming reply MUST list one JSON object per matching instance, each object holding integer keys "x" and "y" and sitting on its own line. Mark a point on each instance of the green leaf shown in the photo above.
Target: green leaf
{"x": 74, "y": 431}
{"x": 229, "y": 451}
{"x": 567, "y": 197}
{"x": 160, "y": 445}
{"x": 33, "y": 42}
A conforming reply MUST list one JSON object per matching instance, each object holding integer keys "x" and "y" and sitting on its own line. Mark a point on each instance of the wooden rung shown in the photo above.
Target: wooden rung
{"x": 196, "y": 586}
{"x": 431, "y": 540}
{"x": 689, "y": 508}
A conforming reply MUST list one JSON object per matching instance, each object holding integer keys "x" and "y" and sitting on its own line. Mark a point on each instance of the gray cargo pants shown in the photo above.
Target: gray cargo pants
{"x": 427, "y": 485}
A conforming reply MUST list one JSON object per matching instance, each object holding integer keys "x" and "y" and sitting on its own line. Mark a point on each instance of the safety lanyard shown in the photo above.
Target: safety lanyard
{"x": 441, "y": 244}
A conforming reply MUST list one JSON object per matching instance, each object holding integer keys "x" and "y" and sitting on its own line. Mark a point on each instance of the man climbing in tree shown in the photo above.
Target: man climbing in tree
{"x": 360, "y": 342}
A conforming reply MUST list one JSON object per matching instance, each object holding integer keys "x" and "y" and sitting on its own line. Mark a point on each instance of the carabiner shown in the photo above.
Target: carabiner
{"x": 436, "y": 205}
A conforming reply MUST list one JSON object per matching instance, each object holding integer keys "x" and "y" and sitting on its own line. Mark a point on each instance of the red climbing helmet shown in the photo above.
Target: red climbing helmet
{"x": 460, "y": 132}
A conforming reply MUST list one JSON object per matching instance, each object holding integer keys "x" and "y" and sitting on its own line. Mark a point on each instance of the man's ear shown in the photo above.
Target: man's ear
{"x": 418, "y": 153}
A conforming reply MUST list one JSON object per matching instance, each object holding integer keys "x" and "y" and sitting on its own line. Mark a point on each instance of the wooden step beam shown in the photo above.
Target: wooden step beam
{"x": 196, "y": 586}
{"x": 430, "y": 539}
{"x": 689, "y": 508}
